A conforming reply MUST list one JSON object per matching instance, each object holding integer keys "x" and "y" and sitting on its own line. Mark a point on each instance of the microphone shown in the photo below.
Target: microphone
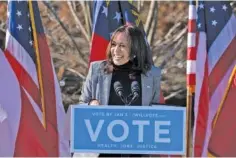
{"x": 119, "y": 90}
{"x": 135, "y": 91}
{"x": 135, "y": 88}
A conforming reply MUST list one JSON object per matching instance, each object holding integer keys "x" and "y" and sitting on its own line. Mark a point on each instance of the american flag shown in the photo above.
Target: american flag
{"x": 37, "y": 123}
{"x": 215, "y": 60}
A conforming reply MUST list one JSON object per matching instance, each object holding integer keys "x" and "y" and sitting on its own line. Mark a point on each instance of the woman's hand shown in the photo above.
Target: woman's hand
{"x": 94, "y": 102}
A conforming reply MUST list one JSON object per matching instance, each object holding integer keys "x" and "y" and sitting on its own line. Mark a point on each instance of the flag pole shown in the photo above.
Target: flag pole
{"x": 191, "y": 73}
{"x": 230, "y": 83}
{"x": 190, "y": 92}
{"x": 231, "y": 79}
{"x": 38, "y": 67}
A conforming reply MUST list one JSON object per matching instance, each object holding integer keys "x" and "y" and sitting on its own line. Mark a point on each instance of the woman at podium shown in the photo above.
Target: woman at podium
{"x": 126, "y": 78}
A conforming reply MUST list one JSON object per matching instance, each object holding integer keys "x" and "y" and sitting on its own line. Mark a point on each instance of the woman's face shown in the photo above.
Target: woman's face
{"x": 120, "y": 48}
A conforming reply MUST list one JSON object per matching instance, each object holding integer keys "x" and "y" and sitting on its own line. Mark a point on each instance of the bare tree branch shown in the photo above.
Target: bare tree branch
{"x": 73, "y": 3}
{"x": 78, "y": 22}
{"x": 142, "y": 3}
{"x": 152, "y": 29}
{"x": 88, "y": 10}
{"x": 174, "y": 94}
{"x": 149, "y": 17}
{"x": 87, "y": 16}
{"x": 77, "y": 73}
{"x": 172, "y": 53}
{"x": 64, "y": 28}
{"x": 139, "y": 5}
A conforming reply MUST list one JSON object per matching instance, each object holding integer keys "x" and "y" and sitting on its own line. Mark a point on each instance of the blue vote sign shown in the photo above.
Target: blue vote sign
{"x": 128, "y": 129}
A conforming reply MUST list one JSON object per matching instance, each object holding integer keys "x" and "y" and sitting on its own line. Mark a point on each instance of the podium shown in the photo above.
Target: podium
{"x": 128, "y": 129}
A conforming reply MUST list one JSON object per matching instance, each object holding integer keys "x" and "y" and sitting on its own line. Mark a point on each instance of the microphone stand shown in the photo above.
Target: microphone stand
{"x": 127, "y": 98}
{"x": 124, "y": 100}
{"x": 132, "y": 99}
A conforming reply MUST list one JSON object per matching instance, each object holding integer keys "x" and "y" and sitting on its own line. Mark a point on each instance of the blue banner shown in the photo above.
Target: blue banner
{"x": 128, "y": 129}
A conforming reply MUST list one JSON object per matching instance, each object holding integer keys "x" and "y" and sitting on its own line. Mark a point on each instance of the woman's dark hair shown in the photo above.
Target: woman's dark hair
{"x": 139, "y": 49}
